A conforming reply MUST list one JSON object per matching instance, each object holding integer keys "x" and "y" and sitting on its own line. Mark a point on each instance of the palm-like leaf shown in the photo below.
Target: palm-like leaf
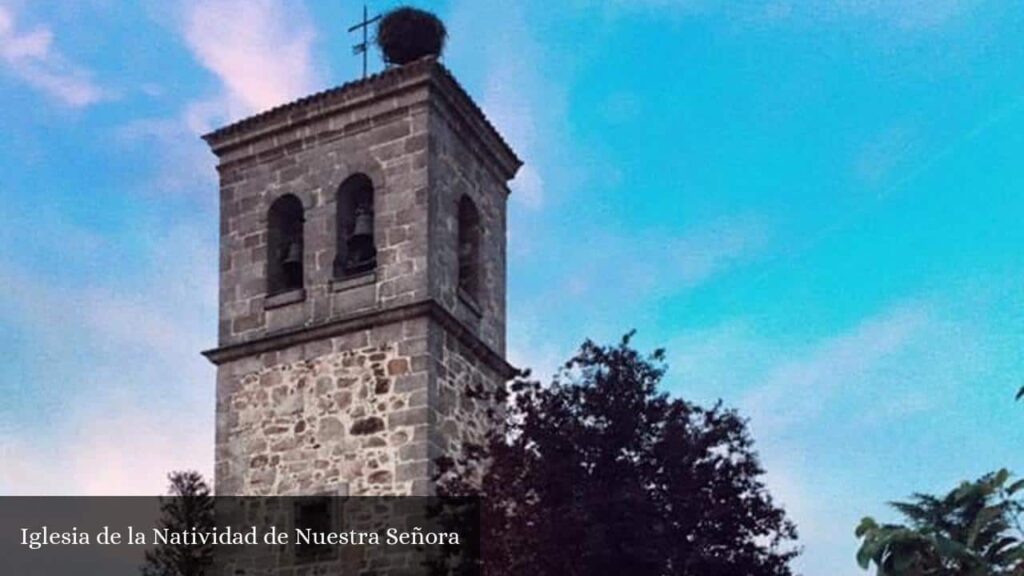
{"x": 967, "y": 532}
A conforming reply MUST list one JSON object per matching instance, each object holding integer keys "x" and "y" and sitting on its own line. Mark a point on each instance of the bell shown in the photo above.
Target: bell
{"x": 361, "y": 251}
{"x": 291, "y": 266}
{"x": 293, "y": 256}
{"x": 363, "y": 225}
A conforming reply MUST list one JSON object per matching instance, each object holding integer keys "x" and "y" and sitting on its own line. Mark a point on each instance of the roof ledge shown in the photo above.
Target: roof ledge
{"x": 361, "y": 92}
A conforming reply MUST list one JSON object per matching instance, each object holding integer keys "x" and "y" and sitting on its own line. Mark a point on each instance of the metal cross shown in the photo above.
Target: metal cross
{"x": 362, "y": 47}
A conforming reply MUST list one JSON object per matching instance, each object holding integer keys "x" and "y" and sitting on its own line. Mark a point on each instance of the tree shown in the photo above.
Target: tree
{"x": 974, "y": 530}
{"x": 600, "y": 473}
{"x": 189, "y": 506}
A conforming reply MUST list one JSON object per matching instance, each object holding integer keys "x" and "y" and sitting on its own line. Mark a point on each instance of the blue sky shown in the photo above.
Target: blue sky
{"x": 815, "y": 206}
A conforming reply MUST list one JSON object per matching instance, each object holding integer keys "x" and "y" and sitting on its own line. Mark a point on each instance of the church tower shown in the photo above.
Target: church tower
{"x": 362, "y": 285}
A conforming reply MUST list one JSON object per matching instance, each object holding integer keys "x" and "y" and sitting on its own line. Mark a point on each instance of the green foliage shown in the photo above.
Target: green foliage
{"x": 189, "y": 506}
{"x": 974, "y": 530}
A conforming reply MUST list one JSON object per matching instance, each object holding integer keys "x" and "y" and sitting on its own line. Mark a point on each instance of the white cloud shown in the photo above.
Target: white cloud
{"x": 117, "y": 393}
{"x": 655, "y": 264}
{"x": 31, "y": 57}
{"x": 800, "y": 388}
{"x": 136, "y": 398}
{"x": 898, "y": 352}
{"x": 528, "y": 187}
{"x": 509, "y": 107}
{"x": 260, "y": 50}
{"x": 624, "y": 277}
{"x": 902, "y": 15}
{"x": 721, "y": 244}
{"x": 882, "y": 157}
{"x": 261, "y": 53}
{"x": 711, "y": 362}
{"x": 533, "y": 347}
{"x": 817, "y": 407}
{"x": 522, "y": 104}
{"x": 126, "y": 450}
{"x": 185, "y": 165}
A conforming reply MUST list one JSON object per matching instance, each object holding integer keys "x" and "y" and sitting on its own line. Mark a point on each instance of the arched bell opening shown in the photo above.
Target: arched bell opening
{"x": 356, "y": 246}
{"x": 469, "y": 248}
{"x": 285, "y": 245}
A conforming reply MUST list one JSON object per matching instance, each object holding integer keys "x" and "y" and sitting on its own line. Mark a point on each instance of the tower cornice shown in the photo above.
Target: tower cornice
{"x": 280, "y": 127}
{"x": 425, "y": 308}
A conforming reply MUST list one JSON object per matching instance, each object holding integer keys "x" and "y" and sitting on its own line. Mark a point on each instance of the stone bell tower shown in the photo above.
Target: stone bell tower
{"x": 362, "y": 285}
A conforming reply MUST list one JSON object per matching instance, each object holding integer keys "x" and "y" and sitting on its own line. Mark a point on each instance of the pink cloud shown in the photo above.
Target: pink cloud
{"x": 260, "y": 50}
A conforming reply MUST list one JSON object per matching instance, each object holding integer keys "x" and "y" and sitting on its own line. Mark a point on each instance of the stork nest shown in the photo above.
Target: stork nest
{"x": 407, "y": 34}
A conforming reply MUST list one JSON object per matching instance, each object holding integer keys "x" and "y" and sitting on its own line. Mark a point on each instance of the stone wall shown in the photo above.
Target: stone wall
{"x": 456, "y": 170}
{"x": 464, "y": 411}
{"x": 363, "y": 414}
{"x": 342, "y": 416}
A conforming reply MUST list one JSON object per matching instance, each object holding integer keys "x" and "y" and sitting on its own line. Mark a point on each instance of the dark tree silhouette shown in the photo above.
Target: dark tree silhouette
{"x": 190, "y": 505}
{"x": 600, "y": 473}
